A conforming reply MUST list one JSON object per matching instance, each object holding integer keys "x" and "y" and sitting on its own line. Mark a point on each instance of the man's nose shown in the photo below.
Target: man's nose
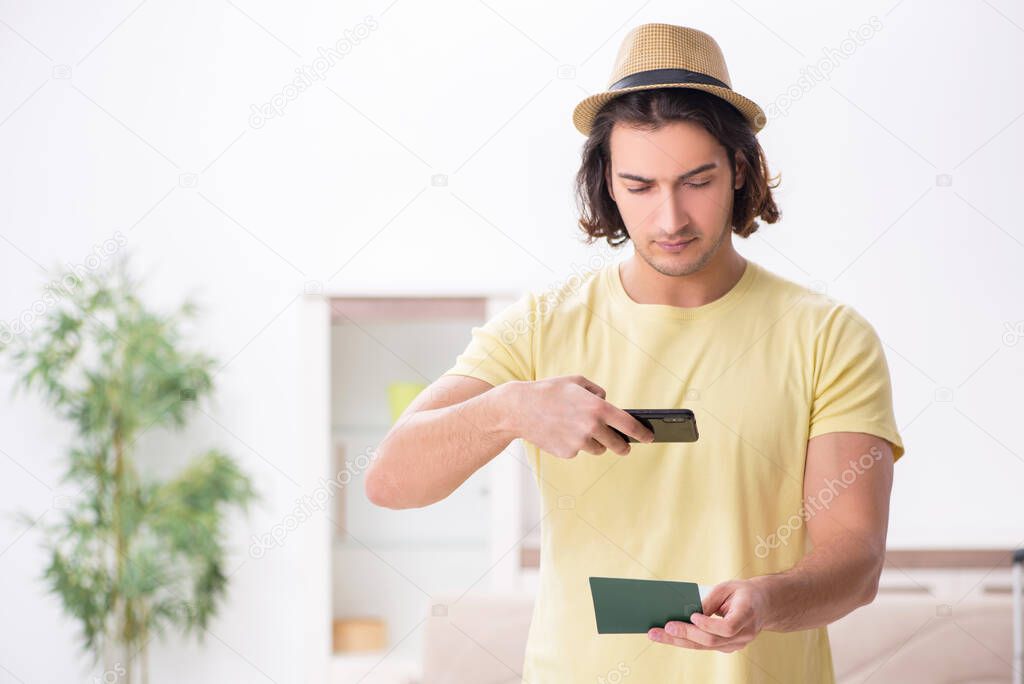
{"x": 673, "y": 215}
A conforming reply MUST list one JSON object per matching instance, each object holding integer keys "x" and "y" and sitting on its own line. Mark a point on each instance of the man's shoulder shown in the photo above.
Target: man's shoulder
{"x": 809, "y": 303}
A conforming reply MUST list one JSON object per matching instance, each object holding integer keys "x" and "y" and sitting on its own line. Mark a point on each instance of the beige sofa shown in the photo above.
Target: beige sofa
{"x": 903, "y": 637}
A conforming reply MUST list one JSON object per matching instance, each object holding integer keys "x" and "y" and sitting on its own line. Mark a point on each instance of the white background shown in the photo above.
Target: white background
{"x": 107, "y": 109}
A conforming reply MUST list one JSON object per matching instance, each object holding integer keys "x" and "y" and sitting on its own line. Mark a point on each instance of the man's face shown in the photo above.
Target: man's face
{"x": 674, "y": 190}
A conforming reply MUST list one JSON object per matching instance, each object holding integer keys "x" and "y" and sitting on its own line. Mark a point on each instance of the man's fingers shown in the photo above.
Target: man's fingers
{"x": 591, "y": 387}
{"x": 715, "y": 598}
{"x": 627, "y": 424}
{"x": 715, "y": 625}
{"x": 661, "y": 636}
{"x": 689, "y": 632}
{"x": 612, "y": 440}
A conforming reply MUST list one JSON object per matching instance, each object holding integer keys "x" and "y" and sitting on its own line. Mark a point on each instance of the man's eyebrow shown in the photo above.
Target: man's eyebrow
{"x": 691, "y": 172}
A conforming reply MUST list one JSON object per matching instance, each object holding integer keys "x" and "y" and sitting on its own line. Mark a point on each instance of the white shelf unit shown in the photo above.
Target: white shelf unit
{"x": 388, "y": 563}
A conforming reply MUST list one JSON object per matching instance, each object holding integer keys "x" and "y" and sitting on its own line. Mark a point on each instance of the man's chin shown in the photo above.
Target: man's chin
{"x": 676, "y": 264}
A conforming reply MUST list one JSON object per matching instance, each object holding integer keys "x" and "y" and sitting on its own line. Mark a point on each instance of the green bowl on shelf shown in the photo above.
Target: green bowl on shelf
{"x": 401, "y": 394}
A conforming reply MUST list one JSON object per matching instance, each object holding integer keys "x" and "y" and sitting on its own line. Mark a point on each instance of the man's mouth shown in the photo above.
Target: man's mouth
{"x": 675, "y": 246}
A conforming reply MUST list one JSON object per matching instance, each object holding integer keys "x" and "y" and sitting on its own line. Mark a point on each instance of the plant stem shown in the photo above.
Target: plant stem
{"x": 120, "y": 604}
{"x": 144, "y": 661}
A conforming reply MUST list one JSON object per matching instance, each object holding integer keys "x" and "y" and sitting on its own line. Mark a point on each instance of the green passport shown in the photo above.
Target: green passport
{"x": 633, "y": 606}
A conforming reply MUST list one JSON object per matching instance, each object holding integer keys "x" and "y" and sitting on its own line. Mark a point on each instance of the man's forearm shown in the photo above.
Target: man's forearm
{"x": 434, "y": 451}
{"x": 824, "y": 586}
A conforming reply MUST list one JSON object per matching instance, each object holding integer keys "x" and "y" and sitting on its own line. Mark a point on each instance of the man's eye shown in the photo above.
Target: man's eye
{"x": 689, "y": 185}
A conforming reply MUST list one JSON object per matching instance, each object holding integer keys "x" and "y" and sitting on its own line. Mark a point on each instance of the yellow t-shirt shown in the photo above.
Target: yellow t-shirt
{"x": 764, "y": 368}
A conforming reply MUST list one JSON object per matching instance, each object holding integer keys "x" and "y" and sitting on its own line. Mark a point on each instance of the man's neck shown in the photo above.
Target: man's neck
{"x": 645, "y": 285}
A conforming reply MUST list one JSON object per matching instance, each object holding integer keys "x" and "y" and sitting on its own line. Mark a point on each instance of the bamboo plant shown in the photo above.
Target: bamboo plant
{"x": 130, "y": 556}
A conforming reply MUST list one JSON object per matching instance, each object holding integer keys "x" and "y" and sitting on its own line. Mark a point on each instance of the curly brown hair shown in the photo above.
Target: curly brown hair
{"x": 651, "y": 110}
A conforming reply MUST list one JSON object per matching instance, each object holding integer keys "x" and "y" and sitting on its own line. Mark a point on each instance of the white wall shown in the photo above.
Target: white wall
{"x": 336, "y": 193}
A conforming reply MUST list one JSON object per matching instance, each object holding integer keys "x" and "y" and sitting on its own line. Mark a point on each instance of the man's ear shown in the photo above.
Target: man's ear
{"x": 608, "y": 181}
{"x": 739, "y": 174}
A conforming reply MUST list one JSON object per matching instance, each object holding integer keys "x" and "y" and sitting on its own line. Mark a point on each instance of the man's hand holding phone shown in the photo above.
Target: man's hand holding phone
{"x": 568, "y": 414}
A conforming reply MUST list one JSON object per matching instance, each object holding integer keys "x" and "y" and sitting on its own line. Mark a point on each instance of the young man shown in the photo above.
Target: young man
{"x": 782, "y": 504}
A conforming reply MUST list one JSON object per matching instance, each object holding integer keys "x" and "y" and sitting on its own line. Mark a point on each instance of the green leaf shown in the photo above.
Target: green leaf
{"x": 128, "y": 557}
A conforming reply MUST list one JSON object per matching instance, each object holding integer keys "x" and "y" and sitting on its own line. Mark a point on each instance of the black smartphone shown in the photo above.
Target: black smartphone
{"x": 668, "y": 425}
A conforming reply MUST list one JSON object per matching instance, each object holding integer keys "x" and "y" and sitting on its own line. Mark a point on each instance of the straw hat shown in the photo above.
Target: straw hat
{"x": 668, "y": 56}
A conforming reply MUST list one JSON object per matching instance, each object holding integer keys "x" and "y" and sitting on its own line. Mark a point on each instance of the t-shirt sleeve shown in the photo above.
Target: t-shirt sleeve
{"x": 852, "y": 388}
{"x": 501, "y": 349}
